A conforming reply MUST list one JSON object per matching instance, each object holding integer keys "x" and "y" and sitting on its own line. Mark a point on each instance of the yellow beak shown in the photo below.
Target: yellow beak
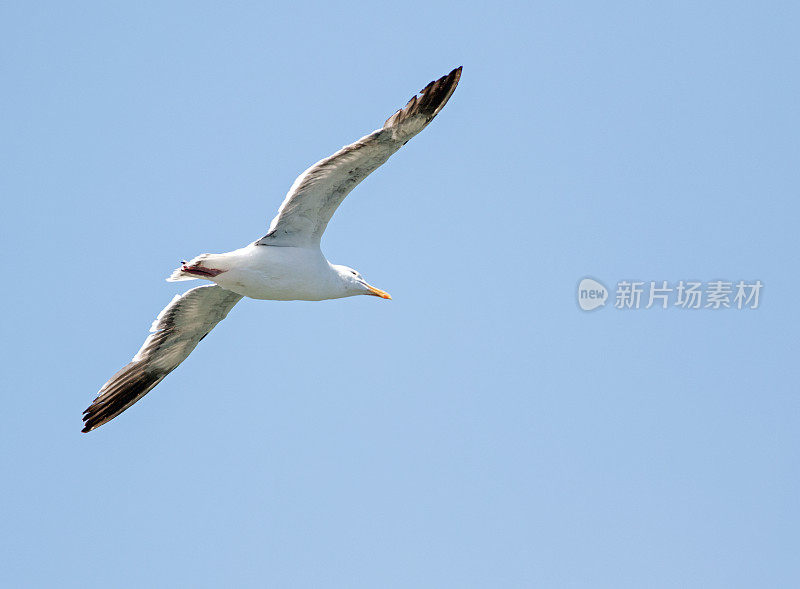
{"x": 378, "y": 292}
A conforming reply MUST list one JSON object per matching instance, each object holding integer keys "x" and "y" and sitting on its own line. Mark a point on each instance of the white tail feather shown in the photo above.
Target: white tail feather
{"x": 178, "y": 275}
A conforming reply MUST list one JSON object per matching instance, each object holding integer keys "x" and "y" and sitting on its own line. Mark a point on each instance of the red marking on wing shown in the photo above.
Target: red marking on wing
{"x": 197, "y": 270}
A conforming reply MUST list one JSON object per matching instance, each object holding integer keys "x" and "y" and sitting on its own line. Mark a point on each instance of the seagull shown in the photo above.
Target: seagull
{"x": 286, "y": 264}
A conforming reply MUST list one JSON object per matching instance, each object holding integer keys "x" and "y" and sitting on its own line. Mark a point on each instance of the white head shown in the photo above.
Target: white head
{"x": 354, "y": 284}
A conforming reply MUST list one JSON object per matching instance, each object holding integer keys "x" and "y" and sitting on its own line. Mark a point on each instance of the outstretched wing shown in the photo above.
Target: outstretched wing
{"x": 317, "y": 192}
{"x": 174, "y": 334}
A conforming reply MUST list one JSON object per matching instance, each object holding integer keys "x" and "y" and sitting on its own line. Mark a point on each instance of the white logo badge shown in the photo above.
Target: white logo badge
{"x": 591, "y": 294}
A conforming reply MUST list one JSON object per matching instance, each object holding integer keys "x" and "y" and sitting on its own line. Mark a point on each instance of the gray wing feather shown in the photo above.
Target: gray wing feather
{"x": 318, "y": 192}
{"x": 174, "y": 334}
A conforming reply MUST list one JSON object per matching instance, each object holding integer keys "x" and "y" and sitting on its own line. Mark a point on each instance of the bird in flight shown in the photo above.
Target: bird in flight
{"x": 286, "y": 264}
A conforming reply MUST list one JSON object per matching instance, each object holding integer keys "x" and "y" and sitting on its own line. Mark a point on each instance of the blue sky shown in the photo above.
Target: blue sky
{"x": 479, "y": 430}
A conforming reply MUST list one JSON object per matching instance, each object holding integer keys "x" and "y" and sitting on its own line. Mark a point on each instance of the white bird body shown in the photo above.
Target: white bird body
{"x": 274, "y": 273}
{"x": 285, "y": 264}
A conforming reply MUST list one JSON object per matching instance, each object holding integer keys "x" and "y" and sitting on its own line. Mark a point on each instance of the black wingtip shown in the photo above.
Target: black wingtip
{"x": 456, "y": 72}
{"x": 89, "y": 421}
{"x": 430, "y": 100}
{"x": 126, "y": 387}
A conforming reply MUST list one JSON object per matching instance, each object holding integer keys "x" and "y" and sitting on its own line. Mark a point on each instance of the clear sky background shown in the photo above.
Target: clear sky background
{"x": 479, "y": 430}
